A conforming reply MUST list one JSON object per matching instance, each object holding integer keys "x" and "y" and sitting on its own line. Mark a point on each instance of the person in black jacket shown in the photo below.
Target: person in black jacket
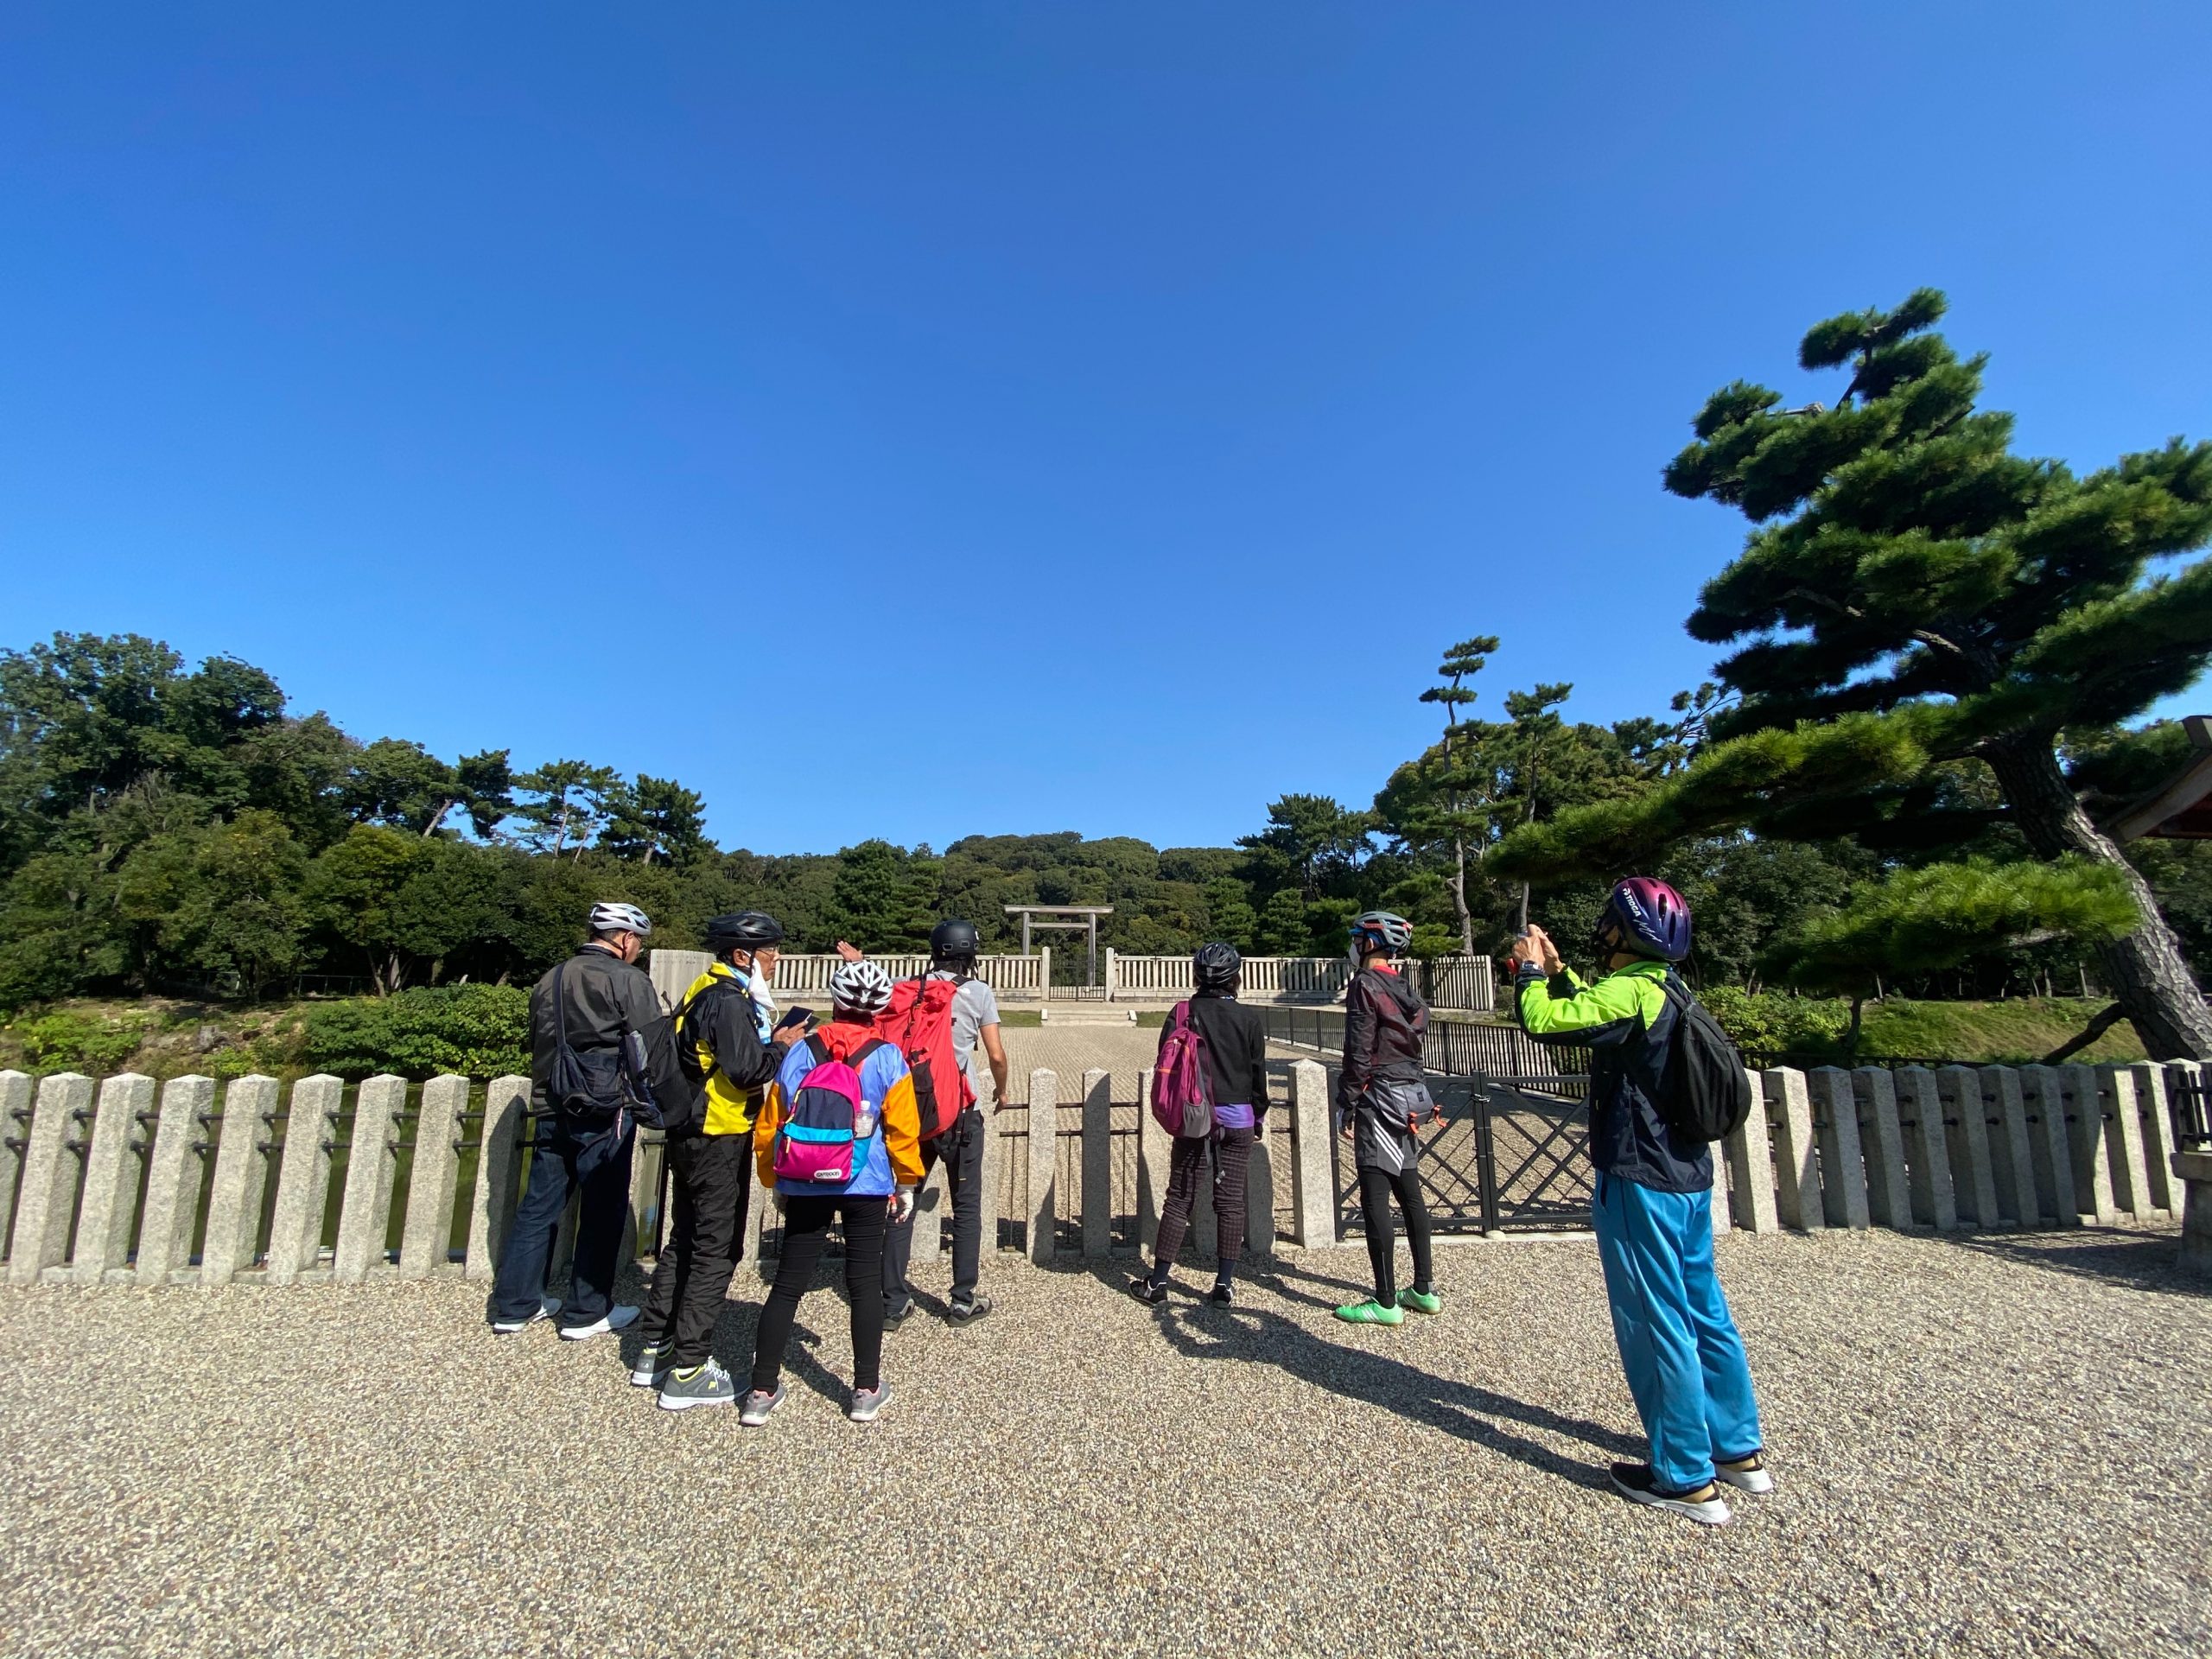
{"x": 594, "y": 999}
{"x": 1236, "y": 1066}
{"x": 1382, "y": 1098}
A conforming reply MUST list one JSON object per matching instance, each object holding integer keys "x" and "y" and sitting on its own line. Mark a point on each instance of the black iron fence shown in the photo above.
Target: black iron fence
{"x": 1455, "y": 1048}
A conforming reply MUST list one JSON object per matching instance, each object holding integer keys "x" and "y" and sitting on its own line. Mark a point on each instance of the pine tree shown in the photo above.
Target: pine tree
{"x": 1454, "y": 778}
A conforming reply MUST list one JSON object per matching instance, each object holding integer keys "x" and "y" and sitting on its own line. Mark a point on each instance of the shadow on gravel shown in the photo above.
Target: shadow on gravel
{"x": 2117, "y": 1255}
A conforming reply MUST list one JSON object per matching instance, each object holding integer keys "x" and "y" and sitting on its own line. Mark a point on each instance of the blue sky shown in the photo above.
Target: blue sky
{"x": 1105, "y": 412}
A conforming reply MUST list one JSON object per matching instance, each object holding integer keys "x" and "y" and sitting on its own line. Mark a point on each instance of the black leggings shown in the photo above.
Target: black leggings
{"x": 1376, "y": 1188}
{"x": 1186, "y": 1164}
{"x": 806, "y": 1223}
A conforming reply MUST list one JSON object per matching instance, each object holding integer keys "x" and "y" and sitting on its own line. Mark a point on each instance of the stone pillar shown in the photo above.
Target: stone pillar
{"x": 1044, "y": 1154}
{"x": 2087, "y": 1151}
{"x": 760, "y": 1205}
{"x": 1113, "y": 974}
{"x": 646, "y": 1156}
{"x": 2011, "y": 1159}
{"x": 1796, "y": 1168}
{"x": 1314, "y": 1179}
{"x": 1920, "y": 1111}
{"x": 2130, "y": 1176}
{"x": 564, "y": 1254}
{"x": 2194, "y": 1170}
{"x": 1965, "y": 1142}
{"x": 303, "y": 1178}
{"x": 2048, "y": 1146}
{"x": 114, "y": 1158}
{"x": 1723, "y": 1208}
{"x": 993, "y": 1178}
{"x": 1889, "y": 1192}
{"x": 426, "y": 1237}
{"x": 930, "y": 1202}
{"x": 1260, "y": 1199}
{"x": 1749, "y": 1160}
{"x": 173, "y": 1181}
{"x": 1098, "y": 1156}
{"x": 15, "y": 1133}
{"x": 491, "y": 1209}
{"x": 1843, "y": 1166}
{"x": 365, "y": 1209}
{"x": 241, "y": 1173}
{"x": 2158, "y": 1143}
{"x": 672, "y": 972}
{"x": 1154, "y": 1145}
{"x": 49, "y": 1188}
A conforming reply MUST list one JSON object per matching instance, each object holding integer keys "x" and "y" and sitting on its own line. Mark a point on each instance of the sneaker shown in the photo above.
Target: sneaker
{"x": 706, "y": 1384}
{"x": 867, "y": 1402}
{"x": 969, "y": 1312}
{"x": 1748, "y": 1474}
{"x": 1635, "y": 1482}
{"x": 1371, "y": 1312}
{"x": 895, "y": 1316}
{"x": 618, "y": 1318}
{"x": 546, "y": 1310}
{"x": 1420, "y": 1301}
{"x": 651, "y": 1369}
{"x": 1221, "y": 1296}
{"x": 1145, "y": 1291}
{"x": 758, "y": 1404}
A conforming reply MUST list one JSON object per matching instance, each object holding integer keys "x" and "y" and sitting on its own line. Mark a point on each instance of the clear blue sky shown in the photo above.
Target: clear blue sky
{"x": 1107, "y": 410}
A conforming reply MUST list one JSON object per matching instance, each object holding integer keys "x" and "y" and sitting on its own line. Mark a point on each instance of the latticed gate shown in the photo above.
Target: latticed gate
{"x": 1510, "y": 1155}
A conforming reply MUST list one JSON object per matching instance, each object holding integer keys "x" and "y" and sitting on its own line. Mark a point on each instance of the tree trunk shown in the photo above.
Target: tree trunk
{"x": 2148, "y": 972}
{"x": 1458, "y": 885}
{"x": 1851, "y": 1037}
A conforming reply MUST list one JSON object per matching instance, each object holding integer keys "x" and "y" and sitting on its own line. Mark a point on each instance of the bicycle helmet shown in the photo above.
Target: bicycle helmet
{"x": 1215, "y": 967}
{"x": 620, "y": 918}
{"x": 746, "y": 930}
{"x": 1649, "y": 917}
{"x": 859, "y": 987}
{"x": 1384, "y": 929}
{"x": 954, "y": 941}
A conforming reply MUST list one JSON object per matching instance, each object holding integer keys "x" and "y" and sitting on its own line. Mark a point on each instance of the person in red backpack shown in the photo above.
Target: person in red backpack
{"x": 1236, "y": 1064}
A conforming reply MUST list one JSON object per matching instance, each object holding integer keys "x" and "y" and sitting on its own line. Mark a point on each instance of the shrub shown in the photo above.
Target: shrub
{"x": 1768, "y": 1022}
{"x": 63, "y": 1041}
{"x": 478, "y": 1031}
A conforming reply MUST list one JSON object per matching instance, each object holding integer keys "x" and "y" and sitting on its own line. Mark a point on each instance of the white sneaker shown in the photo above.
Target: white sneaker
{"x": 618, "y": 1318}
{"x": 1746, "y": 1475}
{"x": 546, "y": 1310}
{"x": 1636, "y": 1483}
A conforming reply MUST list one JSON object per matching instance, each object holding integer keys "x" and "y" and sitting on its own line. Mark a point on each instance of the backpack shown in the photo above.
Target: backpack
{"x": 1182, "y": 1080}
{"x": 827, "y": 1120}
{"x": 600, "y": 1085}
{"x": 1707, "y": 1093}
{"x": 917, "y": 1020}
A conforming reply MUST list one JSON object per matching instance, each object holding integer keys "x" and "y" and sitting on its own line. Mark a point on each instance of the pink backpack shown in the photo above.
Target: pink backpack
{"x": 819, "y": 1137}
{"x": 1182, "y": 1094}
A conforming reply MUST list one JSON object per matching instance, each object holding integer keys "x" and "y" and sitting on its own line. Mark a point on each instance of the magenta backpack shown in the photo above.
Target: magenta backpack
{"x": 827, "y": 1118}
{"x": 1182, "y": 1094}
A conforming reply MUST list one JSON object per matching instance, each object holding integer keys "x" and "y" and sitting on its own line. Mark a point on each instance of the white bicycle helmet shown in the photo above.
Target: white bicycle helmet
{"x": 620, "y": 918}
{"x": 859, "y": 987}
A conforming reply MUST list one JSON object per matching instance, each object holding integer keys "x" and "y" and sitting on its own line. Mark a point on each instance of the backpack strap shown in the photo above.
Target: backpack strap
{"x": 819, "y": 1049}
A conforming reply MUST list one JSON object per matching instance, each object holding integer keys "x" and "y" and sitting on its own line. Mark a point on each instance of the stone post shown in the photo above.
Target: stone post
{"x": 1796, "y": 1168}
{"x": 1314, "y": 1181}
{"x": 672, "y": 972}
{"x": 15, "y": 1133}
{"x": 993, "y": 1197}
{"x": 1722, "y": 1206}
{"x": 1113, "y": 974}
{"x": 1965, "y": 1141}
{"x": 49, "y": 1188}
{"x": 1928, "y": 1157}
{"x": 491, "y": 1209}
{"x": 564, "y": 1254}
{"x": 1843, "y": 1166}
{"x": 1750, "y": 1157}
{"x": 1044, "y": 1157}
{"x": 2088, "y": 1152}
{"x": 2158, "y": 1143}
{"x": 1889, "y": 1194}
{"x": 172, "y": 1181}
{"x": 1155, "y": 1145}
{"x": 759, "y": 1205}
{"x": 1260, "y": 1199}
{"x": 1098, "y": 1156}
{"x": 113, "y": 1161}
{"x": 426, "y": 1237}
{"x": 241, "y": 1173}
{"x": 303, "y": 1178}
{"x": 646, "y": 1158}
{"x": 365, "y": 1209}
{"x": 2010, "y": 1157}
{"x": 929, "y": 1201}
{"x": 2194, "y": 1170}
{"x": 2131, "y": 1177}
{"x": 2049, "y": 1147}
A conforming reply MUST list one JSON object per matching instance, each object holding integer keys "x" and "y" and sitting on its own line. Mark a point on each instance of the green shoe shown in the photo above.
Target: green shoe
{"x": 1371, "y": 1312}
{"x": 1420, "y": 1302}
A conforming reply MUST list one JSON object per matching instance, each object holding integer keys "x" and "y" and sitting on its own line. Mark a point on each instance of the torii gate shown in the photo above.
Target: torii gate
{"x": 1069, "y": 918}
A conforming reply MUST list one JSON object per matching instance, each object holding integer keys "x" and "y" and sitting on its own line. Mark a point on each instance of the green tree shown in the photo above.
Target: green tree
{"x": 1312, "y": 842}
{"x": 1439, "y": 809}
{"x": 656, "y": 817}
{"x": 885, "y": 896}
{"x": 566, "y": 805}
{"x": 1914, "y": 594}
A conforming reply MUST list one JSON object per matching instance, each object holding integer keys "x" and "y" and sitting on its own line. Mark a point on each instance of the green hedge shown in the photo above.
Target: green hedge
{"x": 478, "y": 1031}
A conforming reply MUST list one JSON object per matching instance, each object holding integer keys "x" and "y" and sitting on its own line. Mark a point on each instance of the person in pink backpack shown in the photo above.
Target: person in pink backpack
{"x": 1235, "y": 1039}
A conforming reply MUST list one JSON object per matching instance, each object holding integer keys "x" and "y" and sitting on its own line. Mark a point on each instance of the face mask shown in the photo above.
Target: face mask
{"x": 1353, "y": 954}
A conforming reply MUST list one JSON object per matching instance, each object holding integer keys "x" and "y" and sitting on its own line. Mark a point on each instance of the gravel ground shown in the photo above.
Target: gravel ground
{"x": 1991, "y": 1446}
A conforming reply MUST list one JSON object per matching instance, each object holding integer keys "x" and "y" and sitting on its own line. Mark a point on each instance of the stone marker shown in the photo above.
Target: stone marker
{"x": 992, "y": 1200}
{"x": 1722, "y": 1209}
{"x": 426, "y": 1237}
{"x": 1965, "y": 1141}
{"x": 1750, "y": 1166}
{"x": 2131, "y": 1177}
{"x": 303, "y": 1178}
{"x": 1097, "y": 1147}
{"x": 2088, "y": 1153}
{"x": 47, "y": 1191}
{"x": 1154, "y": 1145}
{"x": 563, "y": 1255}
{"x": 364, "y": 1207}
{"x": 1843, "y": 1167}
{"x": 1260, "y": 1199}
{"x": 173, "y": 1181}
{"x": 1881, "y": 1138}
{"x": 241, "y": 1173}
{"x": 492, "y": 1209}
{"x": 113, "y": 1163}
{"x": 2158, "y": 1143}
{"x": 931, "y": 1200}
{"x": 1928, "y": 1153}
{"x": 1044, "y": 1162}
{"x": 2049, "y": 1146}
{"x": 1314, "y": 1183}
{"x": 15, "y": 1130}
{"x": 2011, "y": 1159}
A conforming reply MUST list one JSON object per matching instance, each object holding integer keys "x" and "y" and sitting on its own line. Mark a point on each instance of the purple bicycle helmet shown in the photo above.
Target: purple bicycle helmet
{"x": 1652, "y": 919}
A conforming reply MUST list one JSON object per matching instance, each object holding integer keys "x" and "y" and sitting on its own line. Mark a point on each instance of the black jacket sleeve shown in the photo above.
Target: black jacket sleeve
{"x": 734, "y": 1035}
{"x": 1359, "y": 1043}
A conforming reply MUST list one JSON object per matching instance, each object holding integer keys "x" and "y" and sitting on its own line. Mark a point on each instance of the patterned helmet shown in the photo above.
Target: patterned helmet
{"x": 1652, "y": 919}
{"x": 859, "y": 987}
{"x": 620, "y": 918}
{"x": 1215, "y": 967}
{"x": 1385, "y": 928}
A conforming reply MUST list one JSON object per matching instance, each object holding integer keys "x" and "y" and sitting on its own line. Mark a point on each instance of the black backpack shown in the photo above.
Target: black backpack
{"x": 1707, "y": 1092}
{"x": 597, "y": 1086}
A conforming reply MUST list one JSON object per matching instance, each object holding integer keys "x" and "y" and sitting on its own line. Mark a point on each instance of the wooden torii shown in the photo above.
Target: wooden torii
{"x": 1067, "y": 919}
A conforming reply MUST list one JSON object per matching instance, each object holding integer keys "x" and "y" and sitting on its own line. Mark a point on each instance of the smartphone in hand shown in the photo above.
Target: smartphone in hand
{"x": 801, "y": 1017}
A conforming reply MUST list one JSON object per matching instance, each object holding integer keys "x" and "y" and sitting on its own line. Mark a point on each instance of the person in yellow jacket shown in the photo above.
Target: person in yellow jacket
{"x": 729, "y": 1050}
{"x": 886, "y": 1168}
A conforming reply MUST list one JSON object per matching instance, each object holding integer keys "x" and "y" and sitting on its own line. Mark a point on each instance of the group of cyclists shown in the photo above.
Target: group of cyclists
{"x": 844, "y": 1120}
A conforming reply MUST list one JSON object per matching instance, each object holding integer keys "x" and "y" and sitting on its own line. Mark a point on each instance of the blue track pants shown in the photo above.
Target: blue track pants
{"x": 1678, "y": 1343}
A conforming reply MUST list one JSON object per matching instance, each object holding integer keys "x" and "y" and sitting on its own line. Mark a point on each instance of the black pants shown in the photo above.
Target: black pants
{"x": 1230, "y": 1151}
{"x": 960, "y": 1148}
{"x": 806, "y": 1223}
{"x": 1376, "y": 1188}
{"x": 567, "y": 1155}
{"x": 712, "y": 1186}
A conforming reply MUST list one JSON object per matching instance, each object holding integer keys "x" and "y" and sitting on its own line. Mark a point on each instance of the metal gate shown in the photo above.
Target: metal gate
{"x": 1511, "y": 1156}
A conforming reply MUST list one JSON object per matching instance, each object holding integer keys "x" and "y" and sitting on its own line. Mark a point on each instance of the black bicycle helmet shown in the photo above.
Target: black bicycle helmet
{"x": 954, "y": 941}
{"x": 747, "y": 930}
{"x": 1215, "y": 967}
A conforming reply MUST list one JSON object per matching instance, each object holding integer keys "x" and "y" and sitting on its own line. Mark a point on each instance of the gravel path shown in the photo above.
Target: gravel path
{"x": 1985, "y": 1446}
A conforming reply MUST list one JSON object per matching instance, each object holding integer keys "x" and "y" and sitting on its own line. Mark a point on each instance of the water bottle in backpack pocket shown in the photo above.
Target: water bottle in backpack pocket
{"x": 1182, "y": 1083}
{"x": 826, "y": 1122}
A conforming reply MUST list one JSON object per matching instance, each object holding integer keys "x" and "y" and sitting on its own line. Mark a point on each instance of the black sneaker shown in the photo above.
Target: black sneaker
{"x": 1702, "y": 1504}
{"x": 969, "y": 1312}
{"x": 895, "y": 1316}
{"x": 1223, "y": 1296}
{"x": 1145, "y": 1291}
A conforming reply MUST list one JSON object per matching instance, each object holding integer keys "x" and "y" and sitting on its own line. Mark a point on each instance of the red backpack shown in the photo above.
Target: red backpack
{"x": 919, "y": 1018}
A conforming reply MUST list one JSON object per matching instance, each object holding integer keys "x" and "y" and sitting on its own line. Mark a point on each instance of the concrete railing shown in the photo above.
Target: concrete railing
{"x": 1015, "y": 978}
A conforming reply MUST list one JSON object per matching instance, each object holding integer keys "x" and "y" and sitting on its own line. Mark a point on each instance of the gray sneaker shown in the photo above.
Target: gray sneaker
{"x": 546, "y": 1309}
{"x": 969, "y": 1312}
{"x": 703, "y": 1385}
{"x": 867, "y": 1402}
{"x": 757, "y": 1405}
{"x": 651, "y": 1369}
